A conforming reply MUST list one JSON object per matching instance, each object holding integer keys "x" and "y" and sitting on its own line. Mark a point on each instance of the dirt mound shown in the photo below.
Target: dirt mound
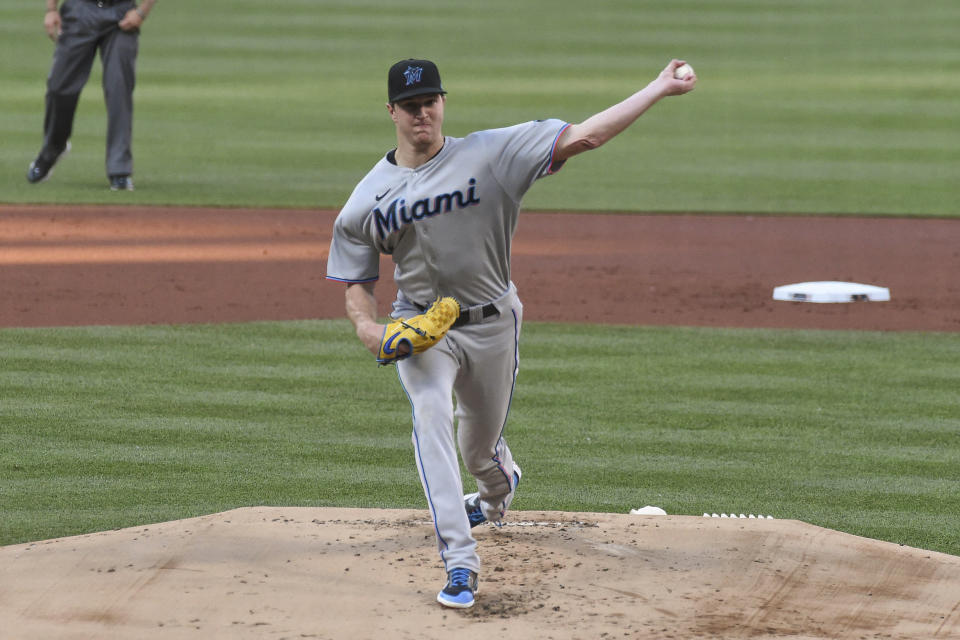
{"x": 352, "y": 573}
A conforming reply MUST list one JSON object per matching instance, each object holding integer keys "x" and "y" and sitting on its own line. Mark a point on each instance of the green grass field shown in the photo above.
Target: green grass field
{"x": 112, "y": 427}
{"x": 804, "y": 106}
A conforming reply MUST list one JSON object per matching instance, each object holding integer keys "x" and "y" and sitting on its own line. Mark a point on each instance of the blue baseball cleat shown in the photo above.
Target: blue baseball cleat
{"x": 462, "y": 585}
{"x": 471, "y": 501}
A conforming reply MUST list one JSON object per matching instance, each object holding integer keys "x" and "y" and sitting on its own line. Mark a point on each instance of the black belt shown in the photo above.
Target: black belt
{"x": 485, "y": 312}
{"x": 108, "y": 3}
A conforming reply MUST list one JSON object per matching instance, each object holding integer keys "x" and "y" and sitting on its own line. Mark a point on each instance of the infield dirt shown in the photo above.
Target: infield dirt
{"x": 341, "y": 573}
{"x": 157, "y": 265}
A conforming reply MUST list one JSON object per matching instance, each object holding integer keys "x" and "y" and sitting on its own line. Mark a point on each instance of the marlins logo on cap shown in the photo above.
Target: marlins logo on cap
{"x": 411, "y": 77}
{"x": 412, "y": 74}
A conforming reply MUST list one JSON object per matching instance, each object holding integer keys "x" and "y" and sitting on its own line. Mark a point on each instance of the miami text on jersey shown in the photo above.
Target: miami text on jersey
{"x": 398, "y": 214}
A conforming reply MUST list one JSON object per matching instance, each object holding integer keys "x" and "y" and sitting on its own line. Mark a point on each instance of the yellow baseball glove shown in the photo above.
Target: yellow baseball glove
{"x": 403, "y": 338}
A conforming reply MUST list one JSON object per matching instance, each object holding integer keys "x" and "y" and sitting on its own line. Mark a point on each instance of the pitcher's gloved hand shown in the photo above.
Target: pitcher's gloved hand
{"x": 403, "y": 338}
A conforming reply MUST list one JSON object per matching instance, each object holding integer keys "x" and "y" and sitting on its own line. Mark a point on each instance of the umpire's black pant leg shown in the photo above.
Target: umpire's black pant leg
{"x": 118, "y": 52}
{"x": 72, "y": 61}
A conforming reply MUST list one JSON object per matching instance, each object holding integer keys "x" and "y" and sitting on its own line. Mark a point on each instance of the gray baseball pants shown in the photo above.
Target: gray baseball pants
{"x": 476, "y": 365}
{"x": 88, "y": 27}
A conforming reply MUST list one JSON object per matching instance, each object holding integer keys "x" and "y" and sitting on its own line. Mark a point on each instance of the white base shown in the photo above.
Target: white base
{"x": 831, "y": 292}
{"x": 648, "y": 511}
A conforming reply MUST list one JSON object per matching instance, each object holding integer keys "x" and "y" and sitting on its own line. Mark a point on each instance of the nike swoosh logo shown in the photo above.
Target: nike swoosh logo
{"x": 380, "y": 197}
{"x": 388, "y": 346}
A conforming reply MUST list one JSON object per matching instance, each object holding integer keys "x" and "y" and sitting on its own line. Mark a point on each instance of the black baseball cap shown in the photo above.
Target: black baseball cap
{"x": 411, "y": 77}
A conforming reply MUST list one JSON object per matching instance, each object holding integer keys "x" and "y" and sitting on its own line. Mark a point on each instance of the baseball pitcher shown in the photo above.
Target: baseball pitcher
{"x": 446, "y": 210}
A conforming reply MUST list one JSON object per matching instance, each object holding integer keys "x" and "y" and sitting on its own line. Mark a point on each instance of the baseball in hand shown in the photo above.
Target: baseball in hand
{"x": 683, "y": 71}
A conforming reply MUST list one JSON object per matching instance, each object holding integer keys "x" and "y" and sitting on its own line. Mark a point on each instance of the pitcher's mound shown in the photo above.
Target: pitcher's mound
{"x": 354, "y": 573}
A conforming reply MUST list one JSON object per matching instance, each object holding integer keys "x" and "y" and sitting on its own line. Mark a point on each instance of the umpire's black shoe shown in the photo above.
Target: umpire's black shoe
{"x": 121, "y": 183}
{"x": 41, "y": 168}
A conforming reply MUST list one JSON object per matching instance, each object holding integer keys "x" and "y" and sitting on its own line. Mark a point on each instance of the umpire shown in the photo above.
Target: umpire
{"x": 79, "y": 28}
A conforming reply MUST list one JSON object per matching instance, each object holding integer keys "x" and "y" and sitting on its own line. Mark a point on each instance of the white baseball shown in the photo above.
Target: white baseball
{"x": 683, "y": 71}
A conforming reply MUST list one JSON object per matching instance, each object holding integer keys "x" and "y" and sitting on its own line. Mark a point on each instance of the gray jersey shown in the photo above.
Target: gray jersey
{"x": 449, "y": 223}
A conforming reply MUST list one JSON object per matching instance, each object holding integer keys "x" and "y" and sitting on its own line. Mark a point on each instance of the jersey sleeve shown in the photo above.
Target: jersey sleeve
{"x": 522, "y": 154}
{"x": 353, "y": 257}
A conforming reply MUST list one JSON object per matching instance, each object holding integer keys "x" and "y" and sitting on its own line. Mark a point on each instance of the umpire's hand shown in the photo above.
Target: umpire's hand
{"x": 51, "y": 22}
{"x": 131, "y": 21}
